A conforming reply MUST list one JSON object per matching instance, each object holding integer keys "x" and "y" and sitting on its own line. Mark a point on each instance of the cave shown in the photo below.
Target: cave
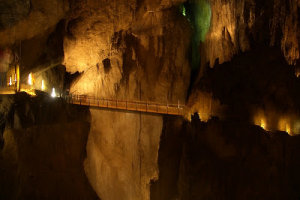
{"x": 149, "y": 99}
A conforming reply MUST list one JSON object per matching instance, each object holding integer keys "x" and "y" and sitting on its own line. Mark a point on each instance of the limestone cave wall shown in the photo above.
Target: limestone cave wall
{"x": 238, "y": 26}
{"x": 144, "y": 50}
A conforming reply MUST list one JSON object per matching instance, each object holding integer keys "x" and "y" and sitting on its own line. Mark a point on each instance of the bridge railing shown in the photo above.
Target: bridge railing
{"x": 142, "y": 106}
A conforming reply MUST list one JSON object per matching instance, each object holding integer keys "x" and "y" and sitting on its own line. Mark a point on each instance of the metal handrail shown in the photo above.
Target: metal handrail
{"x": 131, "y": 101}
{"x": 150, "y": 107}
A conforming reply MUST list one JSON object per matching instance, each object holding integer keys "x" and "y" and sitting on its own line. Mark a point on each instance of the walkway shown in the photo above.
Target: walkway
{"x": 140, "y": 106}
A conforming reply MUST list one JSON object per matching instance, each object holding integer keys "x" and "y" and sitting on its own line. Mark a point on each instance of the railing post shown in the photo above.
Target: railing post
{"x": 126, "y": 104}
{"x": 146, "y": 106}
{"x": 117, "y": 103}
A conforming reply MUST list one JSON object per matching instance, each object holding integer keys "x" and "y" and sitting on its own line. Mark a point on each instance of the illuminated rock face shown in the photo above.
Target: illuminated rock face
{"x": 145, "y": 46}
{"x": 239, "y": 26}
{"x": 122, "y": 153}
{"x": 128, "y": 50}
{"x": 139, "y": 50}
{"x": 236, "y": 24}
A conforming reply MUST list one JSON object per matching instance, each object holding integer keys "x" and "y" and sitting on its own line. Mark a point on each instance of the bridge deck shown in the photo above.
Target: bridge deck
{"x": 140, "y": 106}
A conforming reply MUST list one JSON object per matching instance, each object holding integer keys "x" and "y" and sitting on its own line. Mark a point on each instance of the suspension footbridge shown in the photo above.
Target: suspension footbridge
{"x": 138, "y": 106}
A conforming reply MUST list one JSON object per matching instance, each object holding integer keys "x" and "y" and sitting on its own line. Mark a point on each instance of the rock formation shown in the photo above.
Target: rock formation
{"x": 236, "y": 26}
{"x": 146, "y": 50}
{"x": 225, "y": 160}
{"x": 23, "y": 20}
{"x": 128, "y": 50}
{"x": 122, "y": 157}
{"x": 132, "y": 51}
{"x": 43, "y": 150}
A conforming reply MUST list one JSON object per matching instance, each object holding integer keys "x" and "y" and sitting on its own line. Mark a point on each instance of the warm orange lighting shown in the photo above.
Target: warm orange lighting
{"x": 53, "y": 94}
{"x": 288, "y": 129}
{"x": 10, "y": 81}
{"x": 43, "y": 85}
{"x": 30, "y": 82}
{"x": 260, "y": 119}
{"x": 18, "y": 77}
{"x": 263, "y": 123}
{"x": 284, "y": 125}
{"x": 31, "y": 92}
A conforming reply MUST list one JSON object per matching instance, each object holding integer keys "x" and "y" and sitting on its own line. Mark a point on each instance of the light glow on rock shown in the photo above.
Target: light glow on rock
{"x": 263, "y": 123}
{"x": 288, "y": 129}
{"x": 30, "y": 82}
{"x": 53, "y": 94}
{"x": 43, "y": 85}
{"x": 260, "y": 119}
{"x": 10, "y": 81}
{"x": 285, "y": 125}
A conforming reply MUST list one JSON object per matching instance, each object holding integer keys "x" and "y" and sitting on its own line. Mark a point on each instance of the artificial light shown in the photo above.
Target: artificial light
{"x": 53, "y": 94}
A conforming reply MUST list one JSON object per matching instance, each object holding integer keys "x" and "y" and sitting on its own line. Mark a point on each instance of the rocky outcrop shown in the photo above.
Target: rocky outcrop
{"x": 122, "y": 153}
{"x": 139, "y": 50}
{"x": 27, "y": 19}
{"x": 225, "y": 160}
{"x": 13, "y": 11}
{"x": 129, "y": 50}
{"x": 43, "y": 150}
{"x": 236, "y": 26}
{"x": 255, "y": 86}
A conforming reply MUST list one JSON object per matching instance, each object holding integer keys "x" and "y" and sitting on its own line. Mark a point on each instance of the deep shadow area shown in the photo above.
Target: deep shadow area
{"x": 260, "y": 78}
{"x": 44, "y": 149}
{"x": 225, "y": 160}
